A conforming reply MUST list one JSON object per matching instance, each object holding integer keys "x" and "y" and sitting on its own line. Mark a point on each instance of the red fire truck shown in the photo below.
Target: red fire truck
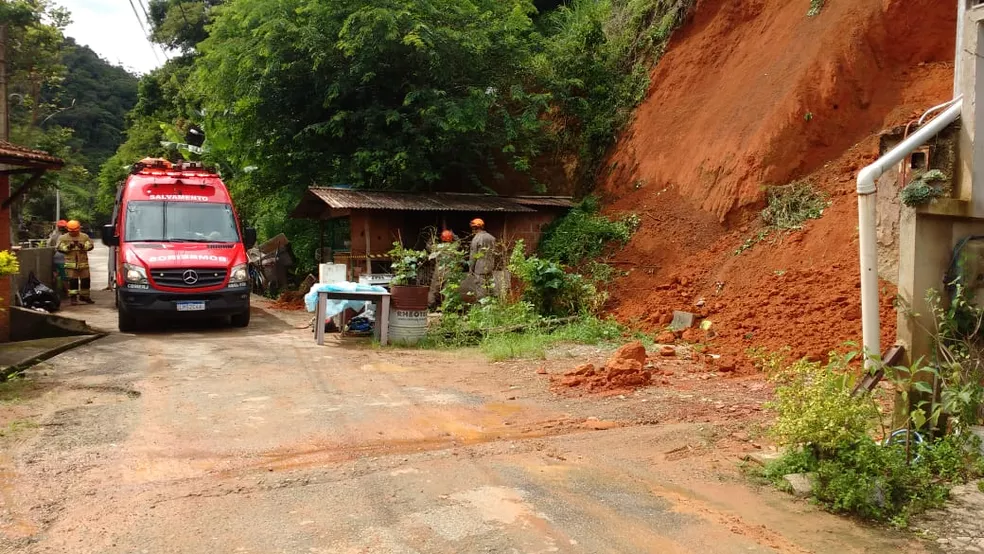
{"x": 177, "y": 247}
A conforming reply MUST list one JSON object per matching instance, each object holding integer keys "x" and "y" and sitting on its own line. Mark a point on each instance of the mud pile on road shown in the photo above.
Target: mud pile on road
{"x": 289, "y": 300}
{"x": 625, "y": 370}
{"x": 755, "y": 94}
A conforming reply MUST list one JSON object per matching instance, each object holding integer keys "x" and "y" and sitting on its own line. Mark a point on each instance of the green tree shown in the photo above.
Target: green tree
{"x": 397, "y": 94}
{"x": 180, "y": 24}
{"x": 66, "y": 101}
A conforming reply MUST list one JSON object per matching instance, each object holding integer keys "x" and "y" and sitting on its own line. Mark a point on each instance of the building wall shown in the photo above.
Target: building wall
{"x": 413, "y": 228}
{"x": 384, "y": 228}
{"x": 529, "y": 227}
{"x": 6, "y": 299}
{"x": 941, "y": 155}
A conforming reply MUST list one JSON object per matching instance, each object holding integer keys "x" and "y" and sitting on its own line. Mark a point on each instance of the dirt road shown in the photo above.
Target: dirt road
{"x": 217, "y": 440}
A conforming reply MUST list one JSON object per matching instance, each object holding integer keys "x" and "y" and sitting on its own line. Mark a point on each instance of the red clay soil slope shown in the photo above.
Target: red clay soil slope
{"x": 751, "y": 94}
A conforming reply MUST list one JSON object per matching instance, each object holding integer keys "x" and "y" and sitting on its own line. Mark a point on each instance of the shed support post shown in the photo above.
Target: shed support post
{"x": 365, "y": 225}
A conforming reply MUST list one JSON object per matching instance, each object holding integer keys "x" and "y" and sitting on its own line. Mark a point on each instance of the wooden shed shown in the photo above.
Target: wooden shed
{"x": 17, "y": 160}
{"x": 359, "y": 227}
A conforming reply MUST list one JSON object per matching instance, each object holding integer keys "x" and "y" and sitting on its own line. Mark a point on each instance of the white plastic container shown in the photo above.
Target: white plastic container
{"x": 331, "y": 273}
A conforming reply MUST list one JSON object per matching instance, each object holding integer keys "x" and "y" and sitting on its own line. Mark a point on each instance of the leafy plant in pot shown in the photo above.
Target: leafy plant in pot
{"x": 408, "y": 293}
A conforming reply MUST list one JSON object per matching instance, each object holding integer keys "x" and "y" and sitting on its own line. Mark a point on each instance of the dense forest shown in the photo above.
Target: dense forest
{"x": 474, "y": 95}
{"x": 68, "y": 101}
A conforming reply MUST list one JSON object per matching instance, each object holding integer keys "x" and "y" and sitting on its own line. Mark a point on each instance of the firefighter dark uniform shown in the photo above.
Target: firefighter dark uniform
{"x": 76, "y": 246}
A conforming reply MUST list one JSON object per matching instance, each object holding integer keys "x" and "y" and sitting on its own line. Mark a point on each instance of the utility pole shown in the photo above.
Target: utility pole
{"x": 4, "y": 118}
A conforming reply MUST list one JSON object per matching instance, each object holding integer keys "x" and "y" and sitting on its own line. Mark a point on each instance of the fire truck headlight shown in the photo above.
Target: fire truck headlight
{"x": 135, "y": 274}
{"x": 239, "y": 274}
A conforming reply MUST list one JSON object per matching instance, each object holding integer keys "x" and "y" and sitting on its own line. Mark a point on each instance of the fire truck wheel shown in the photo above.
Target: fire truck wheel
{"x": 127, "y": 322}
{"x": 241, "y": 319}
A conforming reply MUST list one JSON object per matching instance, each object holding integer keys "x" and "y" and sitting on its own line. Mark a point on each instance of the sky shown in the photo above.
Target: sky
{"x": 111, "y": 30}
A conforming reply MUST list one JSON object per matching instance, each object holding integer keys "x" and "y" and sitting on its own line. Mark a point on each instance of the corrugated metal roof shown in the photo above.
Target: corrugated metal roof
{"x": 11, "y": 153}
{"x": 547, "y": 201}
{"x": 338, "y": 198}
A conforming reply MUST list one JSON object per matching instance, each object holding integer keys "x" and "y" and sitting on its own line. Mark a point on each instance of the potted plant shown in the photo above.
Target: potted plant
{"x": 408, "y": 293}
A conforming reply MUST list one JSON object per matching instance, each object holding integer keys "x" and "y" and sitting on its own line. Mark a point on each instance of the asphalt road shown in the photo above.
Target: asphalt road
{"x": 215, "y": 440}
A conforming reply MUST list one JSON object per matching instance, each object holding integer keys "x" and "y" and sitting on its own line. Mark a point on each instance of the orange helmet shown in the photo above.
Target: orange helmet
{"x": 447, "y": 236}
{"x": 61, "y": 223}
{"x": 477, "y": 223}
{"x": 73, "y": 225}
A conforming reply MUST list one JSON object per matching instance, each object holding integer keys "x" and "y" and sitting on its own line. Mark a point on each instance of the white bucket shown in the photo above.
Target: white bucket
{"x": 407, "y": 326}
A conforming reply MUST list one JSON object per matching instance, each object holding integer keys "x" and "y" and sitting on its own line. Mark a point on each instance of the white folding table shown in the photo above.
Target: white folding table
{"x": 380, "y": 299}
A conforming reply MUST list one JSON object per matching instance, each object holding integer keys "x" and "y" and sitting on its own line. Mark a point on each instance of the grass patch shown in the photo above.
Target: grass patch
{"x": 13, "y": 389}
{"x": 789, "y": 207}
{"x": 816, "y": 6}
{"x": 792, "y": 205}
{"x": 490, "y": 330}
{"x": 17, "y": 426}
{"x": 534, "y": 344}
{"x": 515, "y": 345}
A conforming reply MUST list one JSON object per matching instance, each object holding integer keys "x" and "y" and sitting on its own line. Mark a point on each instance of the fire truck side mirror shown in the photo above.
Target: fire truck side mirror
{"x": 249, "y": 237}
{"x": 109, "y": 237}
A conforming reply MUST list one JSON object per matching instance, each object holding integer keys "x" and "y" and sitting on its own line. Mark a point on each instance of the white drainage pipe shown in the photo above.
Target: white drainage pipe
{"x": 867, "y": 224}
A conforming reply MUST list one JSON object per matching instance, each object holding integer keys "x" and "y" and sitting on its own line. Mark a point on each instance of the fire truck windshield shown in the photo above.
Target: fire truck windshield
{"x": 151, "y": 221}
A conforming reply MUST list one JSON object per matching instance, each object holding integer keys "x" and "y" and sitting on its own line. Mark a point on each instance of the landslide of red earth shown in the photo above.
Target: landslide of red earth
{"x": 752, "y": 94}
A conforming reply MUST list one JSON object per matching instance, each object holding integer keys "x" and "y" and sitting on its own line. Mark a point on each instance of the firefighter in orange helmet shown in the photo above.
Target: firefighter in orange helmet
{"x": 480, "y": 253}
{"x": 444, "y": 254}
{"x": 76, "y": 245}
{"x": 480, "y": 262}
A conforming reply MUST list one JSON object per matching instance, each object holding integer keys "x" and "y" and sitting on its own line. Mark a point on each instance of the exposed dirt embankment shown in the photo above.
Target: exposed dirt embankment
{"x": 752, "y": 94}
{"x": 755, "y": 92}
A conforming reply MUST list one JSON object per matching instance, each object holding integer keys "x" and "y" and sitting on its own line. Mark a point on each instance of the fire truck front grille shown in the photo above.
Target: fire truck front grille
{"x": 189, "y": 278}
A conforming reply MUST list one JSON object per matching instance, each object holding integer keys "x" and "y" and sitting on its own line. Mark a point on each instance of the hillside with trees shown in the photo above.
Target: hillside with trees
{"x": 65, "y": 100}
{"x": 479, "y": 95}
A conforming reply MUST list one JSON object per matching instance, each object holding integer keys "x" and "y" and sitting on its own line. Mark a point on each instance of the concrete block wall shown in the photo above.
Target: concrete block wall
{"x": 36, "y": 260}
{"x": 529, "y": 228}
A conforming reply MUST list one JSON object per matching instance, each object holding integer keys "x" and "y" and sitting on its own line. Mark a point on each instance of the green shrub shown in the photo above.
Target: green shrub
{"x": 8, "y": 263}
{"x": 583, "y": 234}
{"x": 925, "y": 188}
{"x": 876, "y": 482}
{"x": 814, "y": 404}
{"x": 406, "y": 264}
{"x": 789, "y": 207}
{"x": 595, "y": 62}
{"x": 550, "y": 289}
{"x": 826, "y": 432}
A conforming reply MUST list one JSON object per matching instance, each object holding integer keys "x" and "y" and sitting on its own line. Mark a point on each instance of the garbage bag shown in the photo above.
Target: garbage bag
{"x": 360, "y": 324}
{"x": 37, "y": 295}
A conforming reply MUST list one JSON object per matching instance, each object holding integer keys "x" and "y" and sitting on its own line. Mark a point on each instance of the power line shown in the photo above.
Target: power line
{"x": 147, "y": 15}
{"x": 144, "y": 29}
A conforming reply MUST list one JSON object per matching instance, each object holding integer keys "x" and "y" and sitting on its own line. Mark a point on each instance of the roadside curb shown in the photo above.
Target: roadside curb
{"x": 21, "y": 366}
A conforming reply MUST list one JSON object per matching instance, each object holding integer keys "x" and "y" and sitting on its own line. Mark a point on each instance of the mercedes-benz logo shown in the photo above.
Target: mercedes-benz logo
{"x": 189, "y": 277}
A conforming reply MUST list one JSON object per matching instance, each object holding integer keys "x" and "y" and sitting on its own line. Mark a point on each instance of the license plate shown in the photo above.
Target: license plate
{"x": 197, "y": 306}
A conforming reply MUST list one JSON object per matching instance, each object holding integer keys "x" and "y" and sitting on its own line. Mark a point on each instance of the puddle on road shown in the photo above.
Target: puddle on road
{"x": 386, "y": 367}
{"x": 504, "y": 408}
